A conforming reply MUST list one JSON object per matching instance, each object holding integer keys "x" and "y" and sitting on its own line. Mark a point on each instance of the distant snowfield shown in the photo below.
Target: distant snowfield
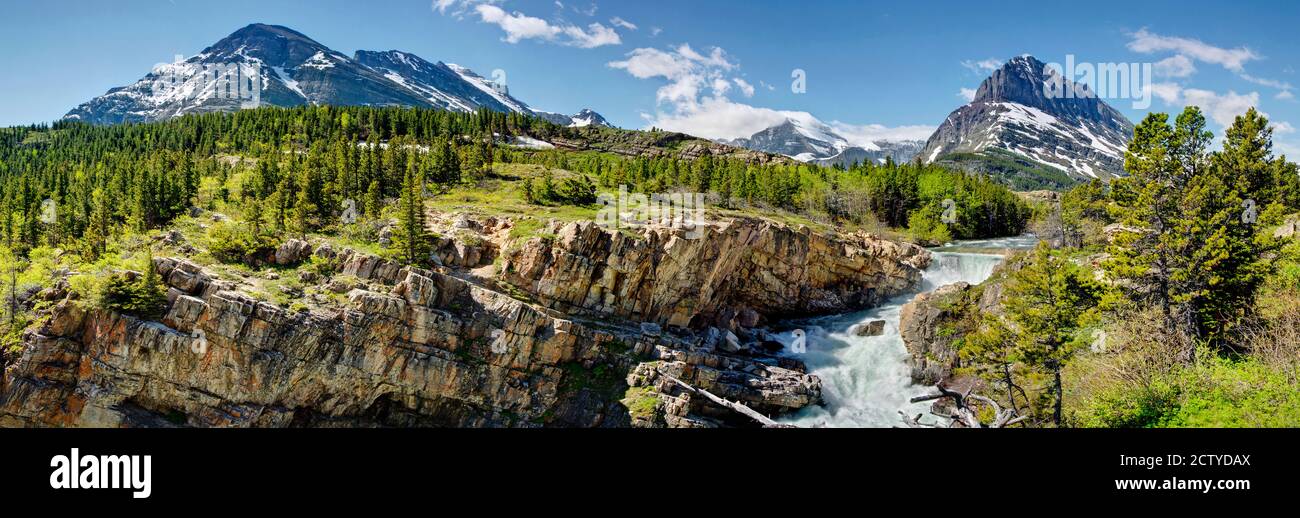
{"x": 531, "y": 143}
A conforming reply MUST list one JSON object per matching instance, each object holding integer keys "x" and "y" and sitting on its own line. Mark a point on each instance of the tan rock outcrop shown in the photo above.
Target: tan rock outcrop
{"x": 416, "y": 348}
{"x": 738, "y": 269}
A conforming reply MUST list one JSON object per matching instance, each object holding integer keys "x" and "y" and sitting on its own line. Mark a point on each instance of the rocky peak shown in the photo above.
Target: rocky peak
{"x": 1054, "y": 140}
{"x": 273, "y": 45}
{"x": 1022, "y": 80}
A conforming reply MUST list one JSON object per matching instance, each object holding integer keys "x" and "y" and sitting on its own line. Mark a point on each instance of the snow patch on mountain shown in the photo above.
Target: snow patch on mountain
{"x": 296, "y": 70}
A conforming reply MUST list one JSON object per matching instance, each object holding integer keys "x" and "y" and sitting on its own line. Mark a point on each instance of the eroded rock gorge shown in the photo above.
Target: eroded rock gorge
{"x": 579, "y": 329}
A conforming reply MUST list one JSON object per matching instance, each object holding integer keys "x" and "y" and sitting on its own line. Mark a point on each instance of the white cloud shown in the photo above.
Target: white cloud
{"x": 866, "y": 136}
{"x": 645, "y": 63}
{"x": 1167, "y": 92}
{"x": 1147, "y": 42}
{"x": 460, "y": 5}
{"x": 1285, "y": 95}
{"x": 687, "y": 71}
{"x": 716, "y": 58}
{"x": 1180, "y": 65}
{"x": 967, "y": 93}
{"x": 655, "y": 31}
{"x": 982, "y": 66}
{"x": 618, "y": 21}
{"x": 1272, "y": 83}
{"x": 596, "y": 35}
{"x": 717, "y": 118}
{"x": 1221, "y": 108}
{"x": 519, "y": 26}
{"x": 1175, "y": 66}
{"x": 721, "y": 86}
{"x": 695, "y": 99}
{"x": 745, "y": 88}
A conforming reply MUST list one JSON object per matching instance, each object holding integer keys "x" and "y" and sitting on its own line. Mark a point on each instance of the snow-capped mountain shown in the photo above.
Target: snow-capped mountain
{"x": 288, "y": 69}
{"x": 1012, "y": 117}
{"x": 586, "y": 117}
{"x": 807, "y": 139}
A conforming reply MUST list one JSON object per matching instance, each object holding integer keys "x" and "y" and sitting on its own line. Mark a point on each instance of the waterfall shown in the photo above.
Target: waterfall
{"x": 866, "y": 379}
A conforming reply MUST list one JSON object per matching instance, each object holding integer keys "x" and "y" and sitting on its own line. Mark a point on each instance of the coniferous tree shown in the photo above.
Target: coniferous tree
{"x": 374, "y": 200}
{"x": 1048, "y": 301}
{"x": 410, "y": 238}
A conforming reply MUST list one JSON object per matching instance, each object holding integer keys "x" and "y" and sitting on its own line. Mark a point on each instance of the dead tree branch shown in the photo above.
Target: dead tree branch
{"x": 732, "y": 405}
{"x": 965, "y": 413}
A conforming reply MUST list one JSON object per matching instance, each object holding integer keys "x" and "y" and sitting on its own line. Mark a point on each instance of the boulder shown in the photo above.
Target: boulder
{"x": 1288, "y": 228}
{"x": 872, "y": 328}
{"x": 292, "y": 251}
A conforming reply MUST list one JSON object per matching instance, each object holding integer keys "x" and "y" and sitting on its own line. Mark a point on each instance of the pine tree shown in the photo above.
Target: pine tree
{"x": 410, "y": 238}
{"x": 1048, "y": 301}
{"x": 254, "y": 213}
{"x": 100, "y": 227}
{"x": 374, "y": 200}
{"x": 150, "y": 292}
{"x": 1197, "y": 250}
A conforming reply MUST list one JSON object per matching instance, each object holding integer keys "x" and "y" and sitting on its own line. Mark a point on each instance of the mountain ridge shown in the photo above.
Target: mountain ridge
{"x": 808, "y": 139}
{"x": 292, "y": 69}
{"x": 1077, "y": 138}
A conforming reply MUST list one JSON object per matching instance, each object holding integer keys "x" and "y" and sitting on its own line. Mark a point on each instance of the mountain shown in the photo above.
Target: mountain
{"x": 1012, "y": 129}
{"x": 293, "y": 69}
{"x": 809, "y": 140}
{"x": 586, "y": 117}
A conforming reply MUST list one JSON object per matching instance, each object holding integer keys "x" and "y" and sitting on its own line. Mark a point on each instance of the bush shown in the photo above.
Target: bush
{"x": 234, "y": 243}
{"x": 139, "y": 294}
{"x": 1214, "y": 392}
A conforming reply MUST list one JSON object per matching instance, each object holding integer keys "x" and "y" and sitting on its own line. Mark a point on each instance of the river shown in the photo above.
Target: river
{"x": 866, "y": 379}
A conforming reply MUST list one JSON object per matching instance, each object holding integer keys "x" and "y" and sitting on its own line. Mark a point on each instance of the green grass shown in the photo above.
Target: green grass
{"x": 1212, "y": 393}
{"x": 641, "y": 402}
{"x": 502, "y": 195}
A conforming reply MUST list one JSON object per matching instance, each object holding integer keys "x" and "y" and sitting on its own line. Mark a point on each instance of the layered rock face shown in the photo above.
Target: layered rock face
{"x": 931, "y": 323}
{"x": 737, "y": 272}
{"x": 409, "y": 347}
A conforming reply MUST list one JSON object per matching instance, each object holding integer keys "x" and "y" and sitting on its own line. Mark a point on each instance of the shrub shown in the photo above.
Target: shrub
{"x": 132, "y": 293}
{"x": 1214, "y": 392}
{"x": 234, "y": 243}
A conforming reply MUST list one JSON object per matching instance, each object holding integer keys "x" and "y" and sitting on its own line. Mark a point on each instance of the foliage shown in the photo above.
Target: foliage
{"x": 410, "y": 238}
{"x": 1051, "y": 304}
{"x": 141, "y": 294}
{"x": 1195, "y": 250}
{"x": 231, "y": 242}
{"x": 1215, "y": 392}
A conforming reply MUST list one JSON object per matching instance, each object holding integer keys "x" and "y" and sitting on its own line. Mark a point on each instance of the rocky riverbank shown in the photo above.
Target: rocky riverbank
{"x": 586, "y": 328}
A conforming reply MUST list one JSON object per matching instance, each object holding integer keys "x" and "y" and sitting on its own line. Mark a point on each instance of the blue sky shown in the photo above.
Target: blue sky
{"x": 873, "y": 68}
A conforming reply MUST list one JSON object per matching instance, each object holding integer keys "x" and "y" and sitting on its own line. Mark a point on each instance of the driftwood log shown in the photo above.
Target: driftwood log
{"x": 965, "y": 414}
{"x": 736, "y": 406}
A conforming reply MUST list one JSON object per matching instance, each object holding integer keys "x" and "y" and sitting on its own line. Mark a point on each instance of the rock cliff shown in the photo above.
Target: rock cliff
{"x": 738, "y": 272}
{"x": 370, "y": 342}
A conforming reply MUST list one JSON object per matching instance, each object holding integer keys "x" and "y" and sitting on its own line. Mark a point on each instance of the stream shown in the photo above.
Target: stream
{"x": 866, "y": 379}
